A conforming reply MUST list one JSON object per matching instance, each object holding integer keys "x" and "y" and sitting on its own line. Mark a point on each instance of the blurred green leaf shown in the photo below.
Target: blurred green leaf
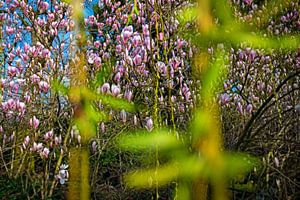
{"x": 238, "y": 163}
{"x": 161, "y": 140}
{"x": 192, "y": 166}
{"x": 201, "y": 124}
{"x": 223, "y": 11}
{"x": 211, "y": 77}
{"x": 237, "y": 37}
{"x": 94, "y": 115}
{"x": 151, "y": 178}
{"x": 187, "y": 15}
{"x": 114, "y": 102}
{"x": 183, "y": 192}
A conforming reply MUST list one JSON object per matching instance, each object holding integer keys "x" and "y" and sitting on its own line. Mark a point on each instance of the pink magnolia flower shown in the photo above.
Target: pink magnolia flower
{"x": 149, "y": 124}
{"x": 123, "y": 116}
{"x": 225, "y": 98}
{"x": 4, "y": 106}
{"x": 102, "y": 127}
{"x": 240, "y": 108}
{"x": 63, "y": 174}
{"x": 11, "y": 104}
{"x": 34, "y": 78}
{"x": 97, "y": 44}
{"x": 36, "y": 147}
{"x": 45, "y": 152}
{"x": 43, "y": 6}
{"x": 135, "y": 120}
{"x": 45, "y": 53}
{"x": 26, "y": 142}
{"x": 127, "y": 33}
{"x": 261, "y": 86}
{"x": 161, "y": 36}
{"x": 117, "y": 77}
{"x": 118, "y": 48}
{"x": 147, "y": 42}
{"x": 50, "y": 17}
{"x": 9, "y": 30}
{"x": 27, "y": 98}
{"x": 249, "y": 108}
{"x": 128, "y": 95}
{"x": 269, "y": 89}
{"x": 21, "y": 107}
{"x": 136, "y": 39}
{"x": 57, "y": 140}
{"x": 34, "y": 122}
{"x": 105, "y": 88}
{"x": 97, "y": 61}
{"x": 48, "y": 135}
{"x": 115, "y": 90}
{"x": 162, "y": 68}
{"x": 137, "y": 60}
{"x": 79, "y": 139}
{"x": 91, "y": 20}
{"x": 44, "y": 87}
{"x": 175, "y": 63}
{"x": 146, "y": 30}
{"x": 94, "y": 146}
{"x": 12, "y": 71}
{"x": 248, "y": 2}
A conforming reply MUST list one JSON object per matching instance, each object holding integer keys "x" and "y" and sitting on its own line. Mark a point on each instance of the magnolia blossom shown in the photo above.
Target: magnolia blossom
{"x": 34, "y": 122}
{"x": 115, "y": 90}
{"x": 149, "y": 124}
{"x": 123, "y": 115}
{"x": 57, "y": 140}
{"x": 137, "y": 60}
{"x": 127, "y": 33}
{"x": 21, "y": 107}
{"x": 128, "y": 95}
{"x": 48, "y": 135}
{"x": 225, "y": 98}
{"x": 249, "y": 108}
{"x": 12, "y": 71}
{"x": 45, "y": 152}
{"x": 26, "y": 142}
{"x": 63, "y": 174}
{"x": 117, "y": 77}
{"x": 102, "y": 127}
{"x": 94, "y": 146}
{"x": 36, "y": 147}
{"x": 240, "y": 108}
{"x": 11, "y": 104}
{"x": 44, "y": 86}
{"x": 136, "y": 39}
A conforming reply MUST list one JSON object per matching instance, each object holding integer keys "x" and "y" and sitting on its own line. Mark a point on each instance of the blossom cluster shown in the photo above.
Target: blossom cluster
{"x": 142, "y": 47}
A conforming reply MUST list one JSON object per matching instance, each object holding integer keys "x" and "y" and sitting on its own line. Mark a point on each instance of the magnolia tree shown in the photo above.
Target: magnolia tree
{"x": 134, "y": 51}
